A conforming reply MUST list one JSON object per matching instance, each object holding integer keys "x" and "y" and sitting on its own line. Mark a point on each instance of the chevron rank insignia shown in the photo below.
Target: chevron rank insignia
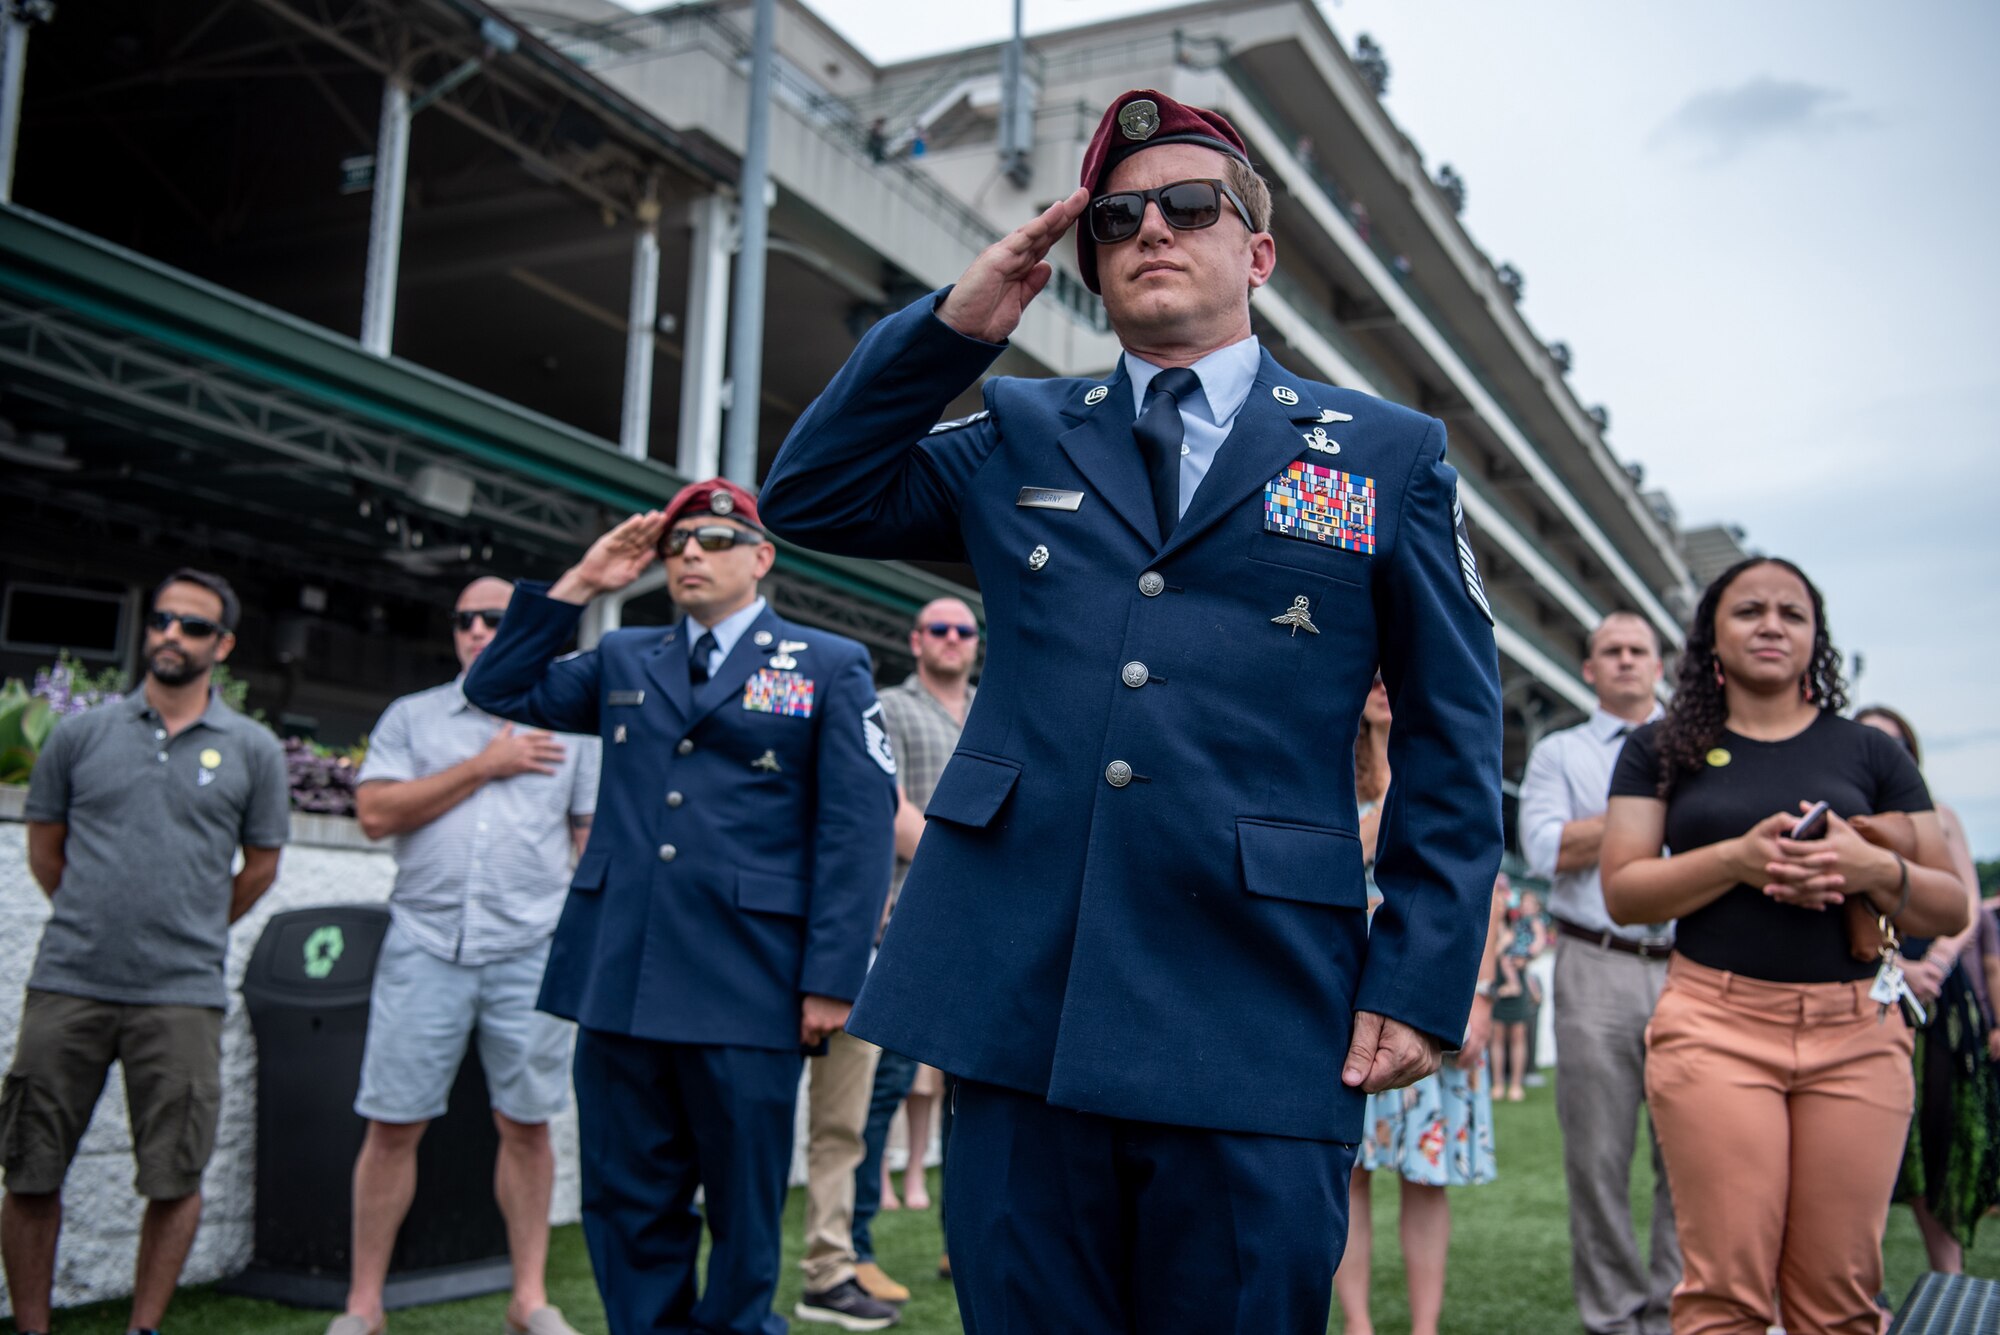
{"x": 785, "y": 693}
{"x": 1468, "y": 564}
{"x": 1314, "y": 503}
{"x": 957, "y": 422}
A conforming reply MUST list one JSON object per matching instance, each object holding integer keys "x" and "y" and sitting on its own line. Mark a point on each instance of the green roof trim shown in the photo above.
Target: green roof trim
{"x": 53, "y": 263}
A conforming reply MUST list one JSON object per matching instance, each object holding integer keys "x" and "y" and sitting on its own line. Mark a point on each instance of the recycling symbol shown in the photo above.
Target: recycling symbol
{"x": 323, "y": 949}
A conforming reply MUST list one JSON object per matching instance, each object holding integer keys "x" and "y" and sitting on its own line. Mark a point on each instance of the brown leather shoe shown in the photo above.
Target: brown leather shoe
{"x": 878, "y": 1285}
{"x": 944, "y": 1266}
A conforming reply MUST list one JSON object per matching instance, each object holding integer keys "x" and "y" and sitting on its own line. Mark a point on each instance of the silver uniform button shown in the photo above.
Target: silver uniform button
{"x": 1118, "y": 774}
{"x": 1135, "y": 674}
{"x": 674, "y": 799}
{"x": 668, "y": 852}
{"x": 686, "y": 746}
{"x": 1152, "y": 584}
{"x": 1038, "y": 558}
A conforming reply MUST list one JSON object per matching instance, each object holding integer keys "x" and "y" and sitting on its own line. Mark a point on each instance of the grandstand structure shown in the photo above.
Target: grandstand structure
{"x": 352, "y": 298}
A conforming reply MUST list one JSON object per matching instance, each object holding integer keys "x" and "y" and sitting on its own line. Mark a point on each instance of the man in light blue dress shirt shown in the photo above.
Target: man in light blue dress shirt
{"x": 1607, "y": 980}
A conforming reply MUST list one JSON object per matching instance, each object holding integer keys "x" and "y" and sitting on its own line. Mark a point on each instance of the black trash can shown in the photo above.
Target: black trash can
{"x": 306, "y": 989}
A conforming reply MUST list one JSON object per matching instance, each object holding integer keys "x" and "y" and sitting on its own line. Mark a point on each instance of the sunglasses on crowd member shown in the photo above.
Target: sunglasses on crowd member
{"x": 195, "y": 628}
{"x": 938, "y": 630}
{"x": 490, "y": 615}
{"x": 712, "y": 537}
{"x": 1187, "y": 206}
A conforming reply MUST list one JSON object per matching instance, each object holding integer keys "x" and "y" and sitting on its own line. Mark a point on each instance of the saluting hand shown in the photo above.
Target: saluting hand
{"x": 614, "y": 560}
{"x": 1388, "y": 1054}
{"x": 991, "y": 294}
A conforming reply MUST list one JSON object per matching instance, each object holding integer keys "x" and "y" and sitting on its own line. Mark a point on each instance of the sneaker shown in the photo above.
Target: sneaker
{"x": 356, "y": 1325}
{"x": 878, "y": 1285}
{"x": 847, "y": 1306}
{"x": 543, "y": 1321}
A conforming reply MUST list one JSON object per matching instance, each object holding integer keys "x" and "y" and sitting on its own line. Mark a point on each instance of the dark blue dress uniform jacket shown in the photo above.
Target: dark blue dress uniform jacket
{"x": 1189, "y": 947}
{"x": 714, "y": 890}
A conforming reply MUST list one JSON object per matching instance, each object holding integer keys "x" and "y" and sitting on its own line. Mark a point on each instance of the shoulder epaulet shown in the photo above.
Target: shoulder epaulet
{"x": 957, "y": 422}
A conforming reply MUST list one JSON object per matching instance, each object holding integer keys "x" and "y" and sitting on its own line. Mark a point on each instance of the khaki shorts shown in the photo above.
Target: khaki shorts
{"x": 172, "y": 1057}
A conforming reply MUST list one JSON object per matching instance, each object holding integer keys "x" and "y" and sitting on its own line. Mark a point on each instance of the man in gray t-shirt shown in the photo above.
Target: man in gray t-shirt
{"x": 135, "y": 814}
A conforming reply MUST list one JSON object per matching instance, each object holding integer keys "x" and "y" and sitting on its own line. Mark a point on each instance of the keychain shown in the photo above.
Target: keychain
{"x": 1890, "y": 986}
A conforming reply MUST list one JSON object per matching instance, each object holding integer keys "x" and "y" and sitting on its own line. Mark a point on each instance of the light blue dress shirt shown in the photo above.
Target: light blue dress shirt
{"x": 726, "y": 631}
{"x": 1226, "y": 376}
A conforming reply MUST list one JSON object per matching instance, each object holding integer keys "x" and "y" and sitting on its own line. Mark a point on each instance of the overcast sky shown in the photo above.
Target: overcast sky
{"x": 1766, "y": 230}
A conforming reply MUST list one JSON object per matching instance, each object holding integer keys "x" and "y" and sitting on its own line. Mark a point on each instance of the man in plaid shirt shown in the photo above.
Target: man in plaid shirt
{"x": 925, "y": 715}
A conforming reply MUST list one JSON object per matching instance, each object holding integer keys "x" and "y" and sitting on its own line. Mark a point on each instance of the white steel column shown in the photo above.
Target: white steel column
{"x": 13, "y": 76}
{"x": 385, "y": 222}
{"x": 699, "y": 454}
{"x": 636, "y": 422}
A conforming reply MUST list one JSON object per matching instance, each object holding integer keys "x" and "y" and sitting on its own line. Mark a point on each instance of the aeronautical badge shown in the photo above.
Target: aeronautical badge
{"x": 1468, "y": 564}
{"x": 957, "y": 422}
{"x": 875, "y": 738}
{"x": 1139, "y": 118}
{"x": 1314, "y": 503}
{"x": 783, "y": 693}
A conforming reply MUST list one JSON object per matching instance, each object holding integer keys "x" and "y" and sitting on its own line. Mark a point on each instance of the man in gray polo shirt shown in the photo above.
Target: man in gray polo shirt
{"x": 486, "y": 821}
{"x": 135, "y": 814}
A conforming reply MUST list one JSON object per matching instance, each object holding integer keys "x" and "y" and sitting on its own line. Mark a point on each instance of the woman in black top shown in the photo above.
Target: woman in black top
{"x": 1780, "y": 1094}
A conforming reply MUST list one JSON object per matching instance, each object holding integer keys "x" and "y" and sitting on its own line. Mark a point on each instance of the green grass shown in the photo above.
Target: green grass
{"x": 1509, "y": 1267}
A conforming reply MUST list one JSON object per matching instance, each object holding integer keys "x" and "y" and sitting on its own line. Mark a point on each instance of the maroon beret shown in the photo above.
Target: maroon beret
{"x": 717, "y": 497}
{"x": 1143, "y": 119}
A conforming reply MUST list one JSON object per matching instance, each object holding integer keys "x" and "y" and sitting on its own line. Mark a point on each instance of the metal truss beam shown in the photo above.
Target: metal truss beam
{"x": 335, "y": 450}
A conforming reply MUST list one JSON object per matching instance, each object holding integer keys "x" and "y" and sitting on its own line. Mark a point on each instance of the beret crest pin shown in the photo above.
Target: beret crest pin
{"x": 1139, "y": 118}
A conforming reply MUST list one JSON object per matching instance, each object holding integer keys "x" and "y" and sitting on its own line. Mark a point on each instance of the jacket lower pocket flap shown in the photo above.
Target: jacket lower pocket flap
{"x": 972, "y": 789}
{"x": 764, "y": 892}
{"x": 590, "y": 870}
{"x": 1302, "y": 862}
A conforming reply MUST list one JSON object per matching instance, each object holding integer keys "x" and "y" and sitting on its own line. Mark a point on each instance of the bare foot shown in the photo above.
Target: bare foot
{"x": 1514, "y": 1094}
{"x": 915, "y": 1193}
{"x": 889, "y": 1202}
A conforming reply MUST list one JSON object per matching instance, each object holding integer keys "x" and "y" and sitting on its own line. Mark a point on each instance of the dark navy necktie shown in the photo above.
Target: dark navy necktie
{"x": 1159, "y": 431}
{"x": 698, "y": 665}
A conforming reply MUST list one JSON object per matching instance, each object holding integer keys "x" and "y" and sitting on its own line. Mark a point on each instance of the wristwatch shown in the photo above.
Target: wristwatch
{"x": 1483, "y": 988}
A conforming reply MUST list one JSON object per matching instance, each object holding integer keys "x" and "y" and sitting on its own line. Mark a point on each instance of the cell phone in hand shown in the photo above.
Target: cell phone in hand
{"x": 1812, "y": 825}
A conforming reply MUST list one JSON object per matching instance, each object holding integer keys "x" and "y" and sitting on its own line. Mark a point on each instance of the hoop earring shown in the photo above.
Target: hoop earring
{"x": 1806, "y": 689}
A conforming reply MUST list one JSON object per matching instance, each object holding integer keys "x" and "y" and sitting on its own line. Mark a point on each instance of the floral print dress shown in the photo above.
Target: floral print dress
{"x": 1437, "y": 1132}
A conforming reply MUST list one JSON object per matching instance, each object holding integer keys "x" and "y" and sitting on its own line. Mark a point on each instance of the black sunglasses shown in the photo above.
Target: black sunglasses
{"x": 195, "y": 628}
{"x": 1187, "y": 206}
{"x": 940, "y": 629}
{"x": 712, "y": 537}
{"x": 490, "y": 615}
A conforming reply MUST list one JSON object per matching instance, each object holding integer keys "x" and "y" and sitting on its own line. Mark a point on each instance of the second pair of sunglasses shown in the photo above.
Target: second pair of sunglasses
{"x": 490, "y": 615}
{"x": 1187, "y": 206}
{"x": 195, "y": 628}
{"x": 712, "y": 537}
{"x": 939, "y": 629}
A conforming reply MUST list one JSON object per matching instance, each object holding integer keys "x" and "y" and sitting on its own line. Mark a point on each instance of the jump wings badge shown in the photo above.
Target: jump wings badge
{"x": 1298, "y": 618}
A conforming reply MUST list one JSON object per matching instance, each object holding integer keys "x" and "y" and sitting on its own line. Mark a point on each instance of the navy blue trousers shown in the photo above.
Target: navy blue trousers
{"x": 1066, "y": 1223}
{"x": 654, "y": 1121}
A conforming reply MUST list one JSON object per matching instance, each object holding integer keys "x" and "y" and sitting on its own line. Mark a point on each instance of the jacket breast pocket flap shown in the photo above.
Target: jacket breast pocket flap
{"x": 764, "y": 892}
{"x": 1302, "y": 862}
{"x": 972, "y": 789}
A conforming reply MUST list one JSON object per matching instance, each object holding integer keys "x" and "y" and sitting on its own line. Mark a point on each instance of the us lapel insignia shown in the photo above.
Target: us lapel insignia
{"x": 1299, "y": 618}
{"x": 1097, "y": 395}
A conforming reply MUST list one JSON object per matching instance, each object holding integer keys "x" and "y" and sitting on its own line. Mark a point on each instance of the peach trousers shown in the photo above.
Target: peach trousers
{"x": 1782, "y": 1110}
